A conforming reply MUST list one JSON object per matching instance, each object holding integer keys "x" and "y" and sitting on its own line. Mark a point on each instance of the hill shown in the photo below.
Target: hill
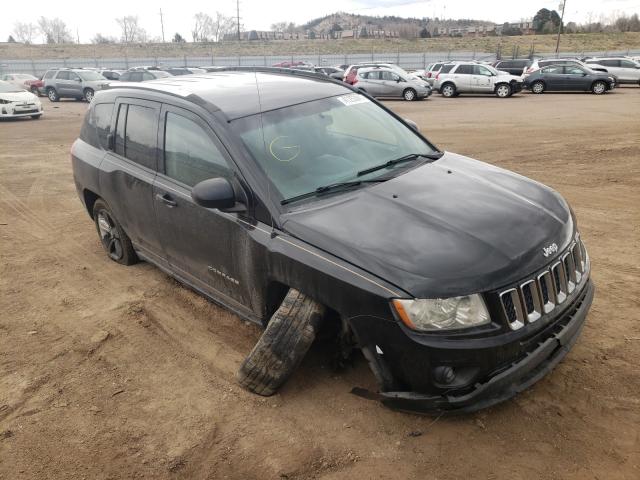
{"x": 575, "y": 43}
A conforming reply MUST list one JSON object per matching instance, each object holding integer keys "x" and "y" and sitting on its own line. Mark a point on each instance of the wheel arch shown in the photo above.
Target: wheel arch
{"x": 90, "y": 199}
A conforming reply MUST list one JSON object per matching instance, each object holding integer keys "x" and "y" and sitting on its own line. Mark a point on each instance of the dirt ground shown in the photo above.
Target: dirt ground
{"x": 112, "y": 372}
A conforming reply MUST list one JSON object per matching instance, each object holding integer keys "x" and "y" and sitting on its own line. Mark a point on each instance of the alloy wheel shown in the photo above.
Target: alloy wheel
{"x": 503, "y": 91}
{"x": 109, "y": 235}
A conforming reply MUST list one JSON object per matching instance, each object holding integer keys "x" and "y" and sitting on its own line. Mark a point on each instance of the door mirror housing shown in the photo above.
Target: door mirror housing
{"x": 411, "y": 123}
{"x": 214, "y": 193}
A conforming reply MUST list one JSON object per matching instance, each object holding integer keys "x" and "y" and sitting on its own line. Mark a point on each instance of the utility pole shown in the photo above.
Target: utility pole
{"x": 238, "y": 17}
{"x": 162, "y": 25}
{"x": 563, "y": 6}
{"x": 78, "y": 35}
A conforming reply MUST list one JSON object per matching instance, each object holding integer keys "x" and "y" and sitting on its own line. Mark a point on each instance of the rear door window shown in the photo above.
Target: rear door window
{"x": 627, "y": 64}
{"x": 464, "y": 70}
{"x": 62, "y": 76}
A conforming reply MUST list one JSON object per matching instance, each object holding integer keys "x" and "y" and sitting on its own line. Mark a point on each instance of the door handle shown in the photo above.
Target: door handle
{"x": 167, "y": 200}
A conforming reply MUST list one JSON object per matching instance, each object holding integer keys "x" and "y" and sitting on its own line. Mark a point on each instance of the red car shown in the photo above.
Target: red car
{"x": 35, "y": 86}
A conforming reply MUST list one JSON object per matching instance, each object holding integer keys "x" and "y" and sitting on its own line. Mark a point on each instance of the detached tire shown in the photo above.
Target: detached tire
{"x": 282, "y": 346}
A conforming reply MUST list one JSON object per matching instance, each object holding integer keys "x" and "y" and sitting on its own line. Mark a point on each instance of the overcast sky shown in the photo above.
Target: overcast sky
{"x": 98, "y": 17}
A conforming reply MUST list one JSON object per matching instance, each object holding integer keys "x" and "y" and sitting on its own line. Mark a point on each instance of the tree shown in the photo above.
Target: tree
{"x": 25, "y": 32}
{"x": 101, "y": 39}
{"x": 424, "y": 33}
{"x": 177, "y": 38}
{"x": 221, "y": 26}
{"x": 54, "y": 30}
{"x": 131, "y": 31}
{"x": 364, "y": 33}
{"x": 202, "y": 27}
{"x": 546, "y": 21}
{"x": 11, "y": 39}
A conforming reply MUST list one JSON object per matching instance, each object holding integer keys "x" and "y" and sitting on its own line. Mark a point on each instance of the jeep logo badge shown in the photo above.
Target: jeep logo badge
{"x": 550, "y": 250}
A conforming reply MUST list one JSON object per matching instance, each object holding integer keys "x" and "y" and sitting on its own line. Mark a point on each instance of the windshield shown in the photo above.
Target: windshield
{"x": 304, "y": 147}
{"x": 6, "y": 87}
{"x": 90, "y": 76}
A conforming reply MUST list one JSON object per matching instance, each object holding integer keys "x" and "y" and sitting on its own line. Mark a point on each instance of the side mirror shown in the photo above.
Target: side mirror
{"x": 412, "y": 124}
{"x": 79, "y": 80}
{"x": 398, "y": 80}
{"x": 214, "y": 193}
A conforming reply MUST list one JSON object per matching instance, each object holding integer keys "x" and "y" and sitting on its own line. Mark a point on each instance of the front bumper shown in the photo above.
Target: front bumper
{"x": 517, "y": 87}
{"x": 520, "y": 375}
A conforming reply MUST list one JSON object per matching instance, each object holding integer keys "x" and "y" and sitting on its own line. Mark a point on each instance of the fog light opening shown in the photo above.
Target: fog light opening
{"x": 444, "y": 375}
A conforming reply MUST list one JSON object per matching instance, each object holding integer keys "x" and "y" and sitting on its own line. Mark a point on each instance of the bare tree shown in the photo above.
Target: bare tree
{"x": 221, "y": 26}
{"x": 54, "y": 30}
{"x": 131, "y": 30}
{"x": 25, "y": 32}
{"x": 102, "y": 39}
{"x": 203, "y": 27}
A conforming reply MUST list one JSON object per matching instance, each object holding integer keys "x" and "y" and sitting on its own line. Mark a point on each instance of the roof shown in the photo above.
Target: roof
{"x": 234, "y": 93}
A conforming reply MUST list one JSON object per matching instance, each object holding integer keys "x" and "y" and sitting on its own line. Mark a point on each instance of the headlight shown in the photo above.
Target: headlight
{"x": 442, "y": 313}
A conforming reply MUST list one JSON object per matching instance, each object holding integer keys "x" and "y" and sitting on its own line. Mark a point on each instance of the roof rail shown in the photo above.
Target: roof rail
{"x": 282, "y": 70}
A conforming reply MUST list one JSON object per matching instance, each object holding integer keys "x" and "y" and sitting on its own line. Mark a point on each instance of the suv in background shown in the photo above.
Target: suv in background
{"x": 111, "y": 74}
{"x": 471, "y": 77}
{"x": 624, "y": 69}
{"x": 142, "y": 75}
{"x": 384, "y": 82}
{"x": 78, "y": 83}
{"x": 515, "y": 67}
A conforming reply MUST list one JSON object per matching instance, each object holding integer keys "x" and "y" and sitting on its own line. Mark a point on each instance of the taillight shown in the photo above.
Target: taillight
{"x": 438, "y": 76}
{"x": 355, "y": 80}
{"x": 428, "y": 74}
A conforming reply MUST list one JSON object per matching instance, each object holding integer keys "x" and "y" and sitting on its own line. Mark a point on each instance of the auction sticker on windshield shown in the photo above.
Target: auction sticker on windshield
{"x": 352, "y": 99}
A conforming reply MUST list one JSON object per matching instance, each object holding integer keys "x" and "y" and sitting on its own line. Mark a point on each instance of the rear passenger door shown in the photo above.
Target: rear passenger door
{"x": 128, "y": 170}
{"x": 553, "y": 76}
{"x": 462, "y": 77}
{"x": 202, "y": 245}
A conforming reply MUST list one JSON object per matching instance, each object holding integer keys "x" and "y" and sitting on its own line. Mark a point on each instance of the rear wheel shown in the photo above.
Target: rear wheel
{"x": 537, "y": 87}
{"x": 503, "y": 90}
{"x": 599, "y": 87}
{"x": 283, "y": 344}
{"x": 36, "y": 117}
{"x": 114, "y": 239}
{"x": 448, "y": 90}
{"x": 409, "y": 94}
{"x": 52, "y": 94}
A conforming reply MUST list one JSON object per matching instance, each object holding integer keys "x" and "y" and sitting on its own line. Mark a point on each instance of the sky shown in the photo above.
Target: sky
{"x": 260, "y": 14}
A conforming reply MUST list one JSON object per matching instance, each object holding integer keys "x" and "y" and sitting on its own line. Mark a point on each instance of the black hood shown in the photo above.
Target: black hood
{"x": 452, "y": 227}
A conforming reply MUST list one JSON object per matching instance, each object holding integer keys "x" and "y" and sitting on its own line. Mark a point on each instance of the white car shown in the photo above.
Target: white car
{"x": 18, "y": 79}
{"x": 472, "y": 77}
{"x": 15, "y": 102}
{"x": 625, "y": 69}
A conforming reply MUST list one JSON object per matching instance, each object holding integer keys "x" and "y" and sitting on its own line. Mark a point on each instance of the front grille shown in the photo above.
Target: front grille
{"x": 537, "y": 296}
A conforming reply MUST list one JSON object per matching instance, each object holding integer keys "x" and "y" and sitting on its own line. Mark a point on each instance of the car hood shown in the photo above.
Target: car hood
{"x": 23, "y": 96}
{"x": 509, "y": 77}
{"x": 452, "y": 227}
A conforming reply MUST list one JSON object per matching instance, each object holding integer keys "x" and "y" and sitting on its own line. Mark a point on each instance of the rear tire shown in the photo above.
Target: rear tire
{"x": 409, "y": 94}
{"x": 53, "y": 95}
{"x": 599, "y": 87}
{"x": 114, "y": 239}
{"x": 537, "y": 87}
{"x": 448, "y": 90}
{"x": 36, "y": 117}
{"x": 282, "y": 346}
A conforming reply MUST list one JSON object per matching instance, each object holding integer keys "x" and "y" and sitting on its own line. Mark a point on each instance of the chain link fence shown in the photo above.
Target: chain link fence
{"x": 37, "y": 67}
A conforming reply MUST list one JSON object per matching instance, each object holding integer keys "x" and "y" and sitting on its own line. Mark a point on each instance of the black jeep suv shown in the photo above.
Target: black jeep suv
{"x": 296, "y": 200}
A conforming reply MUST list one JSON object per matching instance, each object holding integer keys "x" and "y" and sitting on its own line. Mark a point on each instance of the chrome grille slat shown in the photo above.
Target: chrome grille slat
{"x": 540, "y": 295}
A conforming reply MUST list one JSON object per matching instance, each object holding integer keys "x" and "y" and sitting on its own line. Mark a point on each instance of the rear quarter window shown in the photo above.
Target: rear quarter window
{"x": 96, "y": 125}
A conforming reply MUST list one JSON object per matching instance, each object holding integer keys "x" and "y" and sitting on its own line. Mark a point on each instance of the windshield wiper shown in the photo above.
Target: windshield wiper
{"x": 330, "y": 188}
{"x": 406, "y": 158}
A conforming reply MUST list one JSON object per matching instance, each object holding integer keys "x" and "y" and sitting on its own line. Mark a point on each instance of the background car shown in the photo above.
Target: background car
{"x": 350, "y": 73}
{"x": 385, "y": 82}
{"x": 545, "y": 62}
{"x": 183, "y": 70}
{"x": 625, "y": 69}
{"x": 472, "y": 77}
{"x": 555, "y": 78}
{"x": 143, "y": 75}
{"x": 110, "y": 74}
{"x": 516, "y": 66}
{"x": 333, "y": 72}
{"x": 18, "y": 79}
{"x": 16, "y": 102}
{"x": 75, "y": 83}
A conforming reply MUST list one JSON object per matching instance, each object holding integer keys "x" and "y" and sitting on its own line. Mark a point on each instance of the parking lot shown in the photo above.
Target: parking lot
{"x": 110, "y": 372}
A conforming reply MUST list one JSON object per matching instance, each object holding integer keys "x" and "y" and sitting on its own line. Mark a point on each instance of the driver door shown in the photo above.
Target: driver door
{"x": 200, "y": 244}
{"x": 481, "y": 79}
